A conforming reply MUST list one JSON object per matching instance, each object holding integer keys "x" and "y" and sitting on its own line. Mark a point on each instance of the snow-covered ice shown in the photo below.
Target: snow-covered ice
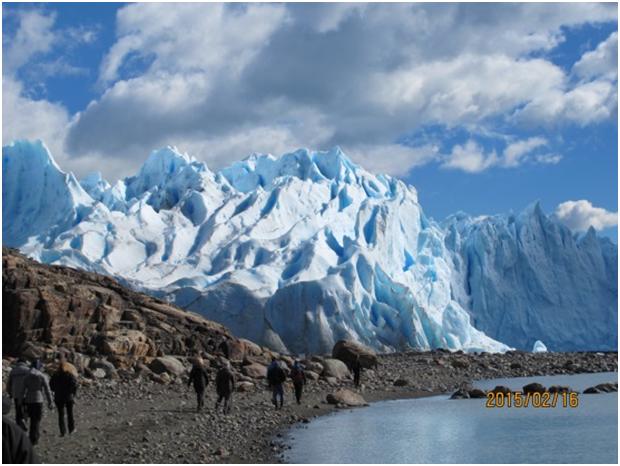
{"x": 300, "y": 251}
{"x": 539, "y": 347}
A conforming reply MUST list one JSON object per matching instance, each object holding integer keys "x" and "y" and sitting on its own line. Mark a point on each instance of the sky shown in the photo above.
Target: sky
{"x": 484, "y": 108}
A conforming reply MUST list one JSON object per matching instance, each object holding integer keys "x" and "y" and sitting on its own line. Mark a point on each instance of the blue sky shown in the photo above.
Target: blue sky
{"x": 485, "y": 108}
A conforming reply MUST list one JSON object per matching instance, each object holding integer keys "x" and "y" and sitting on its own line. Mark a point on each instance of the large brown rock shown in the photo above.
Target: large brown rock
{"x": 167, "y": 364}
{"x": 251, "y": 348}
{"x": 255, "y": 370}
{"x": 128, "y": 342}
{"x": 346, "y": 397}
{"x": 335, "y": 368}
{"x": 347, "y": 352}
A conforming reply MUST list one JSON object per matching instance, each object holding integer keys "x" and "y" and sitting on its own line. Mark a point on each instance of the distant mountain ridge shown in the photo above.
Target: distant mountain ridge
{"x": 300, "y": 251}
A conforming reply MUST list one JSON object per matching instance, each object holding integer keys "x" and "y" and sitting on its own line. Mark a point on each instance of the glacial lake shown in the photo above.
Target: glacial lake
{"x": 439, "y": 430}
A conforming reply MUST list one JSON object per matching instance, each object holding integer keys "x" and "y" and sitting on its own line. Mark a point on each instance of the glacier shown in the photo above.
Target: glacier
{"x": 303, "y": 250}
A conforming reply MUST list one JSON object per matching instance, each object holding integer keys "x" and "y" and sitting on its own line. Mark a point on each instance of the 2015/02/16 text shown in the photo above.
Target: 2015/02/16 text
{"x": 533, "y": 399}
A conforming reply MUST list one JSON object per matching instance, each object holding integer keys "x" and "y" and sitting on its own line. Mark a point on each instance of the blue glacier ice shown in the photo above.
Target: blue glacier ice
{"x": 300, "y": 251}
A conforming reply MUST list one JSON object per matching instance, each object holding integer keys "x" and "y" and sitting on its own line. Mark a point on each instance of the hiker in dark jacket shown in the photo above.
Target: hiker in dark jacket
{"x": 299, "y": 380}
{"x": 16, "y": 448}
{"x": 15, "y": 389}
{"x": 276, "y": 377}
{"x": 36, "y": 387}
{"x": 199, "y": 377}
{"x": 357, "y": 369}
{"x": 224, "y": 347}
{"x": 64, "y": 385}
{"x": 225, "y": 386}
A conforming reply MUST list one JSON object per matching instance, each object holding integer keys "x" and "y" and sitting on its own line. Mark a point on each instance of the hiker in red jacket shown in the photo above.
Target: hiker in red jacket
{"x": 299, "y": 380}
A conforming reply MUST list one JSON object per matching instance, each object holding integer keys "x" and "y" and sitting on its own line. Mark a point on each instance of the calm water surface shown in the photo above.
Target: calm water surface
{"x": 439, "y": 430}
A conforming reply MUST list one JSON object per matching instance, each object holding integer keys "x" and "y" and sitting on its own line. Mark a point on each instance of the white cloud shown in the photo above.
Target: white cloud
{"x": 516, "y": 151}
{"x": 393, "y": 159}
{"x": 229, "y": 79}
{"x": 34, "y": 36}
{"x": 190, "y": 36}
{"x": 581, "y": 215}
{"x": 600, "y": 62}
{"x": 24, "y": 118}
{"x": 470, "y": 158}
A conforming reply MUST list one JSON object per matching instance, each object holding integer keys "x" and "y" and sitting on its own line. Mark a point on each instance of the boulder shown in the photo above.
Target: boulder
{"x": 346, "y": 397}
{"x": 347, "y": 351}
{"x": 401, "y": 382}
{"x": 559, "y": 389}
{"x": 335, "y": 368}
{"x": 313, "y": 366}
{"x": 106, "y": 366}
{"x": 163, "y": 378}
{"x": 255, "y": 370}
{"x": 311, "y": 375}
{"x": 167, "y": 364}
{"x": 534, "y": 388}
{"x": 477, "y": 393}
{"x": 245, "y": 386}
{"x": 98, "y": 373}
{"x": 501, "y": 389}
{"x": 128, "y": 342}
{"x": 607, "y": 387}
{"x": 251, "y": 348}
{"x": 460, "y": 394}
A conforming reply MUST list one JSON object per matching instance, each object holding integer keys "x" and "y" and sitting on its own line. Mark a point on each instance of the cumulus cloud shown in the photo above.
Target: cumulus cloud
{"x": 230, "y": 79}
{"x": 600, "y": 62}
{"x": 472, "y": 158}
{"x": 581, "y": 215}
{"x": 34, "y": 36}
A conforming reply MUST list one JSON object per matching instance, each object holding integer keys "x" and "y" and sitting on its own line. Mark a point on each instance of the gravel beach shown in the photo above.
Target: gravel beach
{"x": 142, "y": 421}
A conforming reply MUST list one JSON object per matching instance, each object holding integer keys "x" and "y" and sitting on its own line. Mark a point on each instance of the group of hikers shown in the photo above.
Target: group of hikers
{"x": 225, "y": 383}
{"x": 29, "y": 388}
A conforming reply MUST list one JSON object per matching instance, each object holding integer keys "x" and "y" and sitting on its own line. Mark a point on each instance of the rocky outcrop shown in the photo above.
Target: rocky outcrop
{"x": 53, "y": 306}
{"x": 348, "y": 351}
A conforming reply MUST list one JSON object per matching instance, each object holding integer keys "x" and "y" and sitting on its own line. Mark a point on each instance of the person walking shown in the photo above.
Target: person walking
{"x": 276, "y": 377}
{"x": 36, "y": 387}
{"x": 16, "y": 447}
{"x": 64, "y": 385}
{"x": 299, "y": 380}
{"x": 15, "y": 389}
{"x": 224, "y": 347}
{"x": 357, "y": 370}
{"x": 224, "y": 386}
{"x": 199, "y": 377}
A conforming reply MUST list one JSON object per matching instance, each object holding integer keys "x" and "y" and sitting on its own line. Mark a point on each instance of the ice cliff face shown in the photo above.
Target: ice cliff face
{"x": 526, "y": 277}
{"x": 300, "y": 251}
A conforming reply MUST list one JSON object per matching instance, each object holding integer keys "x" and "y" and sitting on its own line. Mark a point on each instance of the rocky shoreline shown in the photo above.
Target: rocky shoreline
{"x": 142, "y": 420}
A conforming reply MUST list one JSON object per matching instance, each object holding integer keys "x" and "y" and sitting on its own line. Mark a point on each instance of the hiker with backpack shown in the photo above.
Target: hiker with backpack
{"x": 276, "y": 377}
{"x": 15, "y": 389}
{"x": 64, "y": 385}
{"x": 36, "y": 388}
{"x": 224, "y": 386}
{"x": 299, "y": 380}
{"x": 199, "y": 377}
